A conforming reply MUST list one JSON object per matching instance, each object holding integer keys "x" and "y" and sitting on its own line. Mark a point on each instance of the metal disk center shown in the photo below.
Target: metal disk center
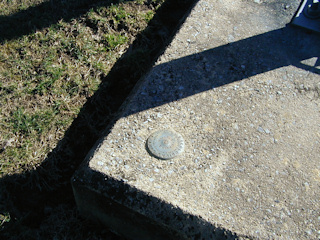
{"x": 165, "y": 144}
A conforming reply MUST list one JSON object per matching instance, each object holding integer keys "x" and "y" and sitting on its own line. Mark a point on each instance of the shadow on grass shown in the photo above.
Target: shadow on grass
{"x": 46, "y": 14}
{"x": 28, "y": 195}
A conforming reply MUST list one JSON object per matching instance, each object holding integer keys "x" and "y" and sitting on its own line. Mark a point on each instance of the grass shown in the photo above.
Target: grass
{"x": 47, "y": 76}
{"x": 63, "y": 75}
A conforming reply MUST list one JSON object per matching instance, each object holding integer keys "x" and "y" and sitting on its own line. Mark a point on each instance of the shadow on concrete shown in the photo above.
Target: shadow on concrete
{"x": 114, "y": 203}
{"x": 27, "y": 194}
{"x": 44, "y": 15}
{"x": 229, "y": 63}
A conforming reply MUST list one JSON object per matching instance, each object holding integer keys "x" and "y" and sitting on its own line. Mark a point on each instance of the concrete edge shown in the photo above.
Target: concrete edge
{"x": 119, "y": 219}
{"x": 108, "y": 208}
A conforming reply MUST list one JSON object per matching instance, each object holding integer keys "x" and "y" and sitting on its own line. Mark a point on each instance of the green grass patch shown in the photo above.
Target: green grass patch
{"x": 31, "y": 123}
{"x": 118, "y": 13}
{"x": 114, "y": 40}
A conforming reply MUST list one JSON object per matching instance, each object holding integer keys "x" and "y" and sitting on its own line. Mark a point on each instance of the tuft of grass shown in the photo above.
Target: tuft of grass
{"x": 114, "y": 40}
{"x": 118, "y": 13}
{"x": 148, "y": 16}
{"x": 4, "y": 218}
{"x": 31, "y": 123}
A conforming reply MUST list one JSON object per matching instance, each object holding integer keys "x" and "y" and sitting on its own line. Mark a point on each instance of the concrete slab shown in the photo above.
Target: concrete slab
{"x": 243, "y": 89}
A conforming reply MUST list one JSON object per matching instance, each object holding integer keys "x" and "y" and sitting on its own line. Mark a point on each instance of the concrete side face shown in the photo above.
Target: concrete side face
{"x": 119, "y": 218}
{"x": 244, "y": 92}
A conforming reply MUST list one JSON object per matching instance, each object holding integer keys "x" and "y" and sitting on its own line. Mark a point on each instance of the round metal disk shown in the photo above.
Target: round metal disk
{"x": 165, "y": 144}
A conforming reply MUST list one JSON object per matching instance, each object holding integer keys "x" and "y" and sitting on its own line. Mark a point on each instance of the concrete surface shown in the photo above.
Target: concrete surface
{"x": 243, "y": 89}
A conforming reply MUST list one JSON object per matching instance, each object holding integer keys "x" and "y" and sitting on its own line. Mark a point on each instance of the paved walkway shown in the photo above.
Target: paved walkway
{"x": 243, "y": 90}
